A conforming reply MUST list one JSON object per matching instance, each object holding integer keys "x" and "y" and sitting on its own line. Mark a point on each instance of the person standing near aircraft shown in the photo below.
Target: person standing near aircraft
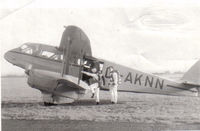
{"x": 113, "y": 85}
{"x": 94, "y": 83}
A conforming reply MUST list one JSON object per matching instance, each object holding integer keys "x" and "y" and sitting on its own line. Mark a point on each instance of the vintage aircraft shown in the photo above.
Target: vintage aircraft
{"x": 57, "y": 71}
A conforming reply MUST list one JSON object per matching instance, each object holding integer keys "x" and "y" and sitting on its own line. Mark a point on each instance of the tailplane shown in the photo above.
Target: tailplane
{"x": 192, "y": 76}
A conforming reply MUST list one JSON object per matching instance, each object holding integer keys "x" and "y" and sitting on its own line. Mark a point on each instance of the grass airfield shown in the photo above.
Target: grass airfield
{"x": 22, "y": 107}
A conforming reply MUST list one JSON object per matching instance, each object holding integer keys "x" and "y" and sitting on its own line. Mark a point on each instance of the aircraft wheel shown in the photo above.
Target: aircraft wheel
{"x": 49, "y": 104}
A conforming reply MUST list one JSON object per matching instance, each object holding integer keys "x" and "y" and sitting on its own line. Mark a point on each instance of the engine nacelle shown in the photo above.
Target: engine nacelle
{"x": 52, "y": 90}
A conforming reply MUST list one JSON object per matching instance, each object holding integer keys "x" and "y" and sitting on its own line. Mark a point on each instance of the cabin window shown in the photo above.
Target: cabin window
{"x": 51, "y": 55}
{"x": 61, "y": 57}
{"x": 47, "y": 54}
{"x": 57, "y": 57}
{"x": 79, "y": 61}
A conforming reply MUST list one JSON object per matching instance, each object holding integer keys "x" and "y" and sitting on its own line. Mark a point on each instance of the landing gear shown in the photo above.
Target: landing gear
{"x": 198, "y": 89}
{"x": 49, "y": 104}
{"x": 47, "y": 98}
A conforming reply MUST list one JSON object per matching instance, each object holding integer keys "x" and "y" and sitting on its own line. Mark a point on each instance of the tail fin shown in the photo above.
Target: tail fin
{"x": 192, "y": 76}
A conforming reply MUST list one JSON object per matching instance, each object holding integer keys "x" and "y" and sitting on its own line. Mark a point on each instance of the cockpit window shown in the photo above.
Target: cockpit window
{"x": 26, "y": 49}
{"x": 23, "y": 47}
{"x": 29, "y": 51}
{"x": 36, "y": 50}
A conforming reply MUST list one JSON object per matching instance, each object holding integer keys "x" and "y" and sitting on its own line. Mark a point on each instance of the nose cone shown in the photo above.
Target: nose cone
{"x": 10, "y": 57}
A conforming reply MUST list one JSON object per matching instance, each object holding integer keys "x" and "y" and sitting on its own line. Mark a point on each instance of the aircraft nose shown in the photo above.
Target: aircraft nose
{"x": 9, "y": 56}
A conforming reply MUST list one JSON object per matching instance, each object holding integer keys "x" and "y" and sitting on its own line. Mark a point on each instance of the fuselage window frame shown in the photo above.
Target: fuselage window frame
{"x": 27, "y": 50}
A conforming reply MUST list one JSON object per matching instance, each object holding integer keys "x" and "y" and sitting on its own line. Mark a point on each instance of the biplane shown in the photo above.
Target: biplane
{"x": 57, "y": 71}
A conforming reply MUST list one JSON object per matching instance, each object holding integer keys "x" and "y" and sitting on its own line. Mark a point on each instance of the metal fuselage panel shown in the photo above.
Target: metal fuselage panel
{"x": 136, "y": 81}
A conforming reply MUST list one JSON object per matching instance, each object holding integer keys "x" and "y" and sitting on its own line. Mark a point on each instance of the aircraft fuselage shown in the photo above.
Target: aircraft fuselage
{"x": 49, "y": 58}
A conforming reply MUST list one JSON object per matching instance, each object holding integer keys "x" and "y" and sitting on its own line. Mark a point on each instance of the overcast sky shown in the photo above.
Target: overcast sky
{"x": 146, "y": 34}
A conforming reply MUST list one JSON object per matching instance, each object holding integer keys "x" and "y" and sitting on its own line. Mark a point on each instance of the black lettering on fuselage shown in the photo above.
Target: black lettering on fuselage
{"x": 148, "y": 81}
{"x": 129, "y": 78}
{"x": 138, "y": 79}
{"x": 159, "y": 83}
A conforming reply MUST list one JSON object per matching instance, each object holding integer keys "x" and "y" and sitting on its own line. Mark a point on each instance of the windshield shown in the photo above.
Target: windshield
{"x": 44, "y": 53}
{"x": 25, "y": 49}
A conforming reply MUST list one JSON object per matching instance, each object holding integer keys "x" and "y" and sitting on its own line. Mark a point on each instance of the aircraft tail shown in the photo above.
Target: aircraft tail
{"x": 192, "y": 76}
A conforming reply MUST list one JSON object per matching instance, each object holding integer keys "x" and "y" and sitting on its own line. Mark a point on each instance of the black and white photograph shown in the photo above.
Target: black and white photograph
{"x": 100, "y": 65}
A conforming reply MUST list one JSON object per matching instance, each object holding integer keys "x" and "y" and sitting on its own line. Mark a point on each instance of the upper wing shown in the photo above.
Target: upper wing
{"x": 74, "y": 45}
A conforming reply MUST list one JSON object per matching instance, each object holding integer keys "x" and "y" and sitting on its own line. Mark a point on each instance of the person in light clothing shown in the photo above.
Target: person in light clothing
{"x": 113, "y": 85}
